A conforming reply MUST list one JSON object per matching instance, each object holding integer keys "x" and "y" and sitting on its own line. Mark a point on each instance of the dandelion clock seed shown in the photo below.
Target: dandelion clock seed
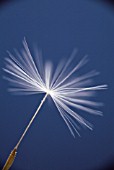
{"x": 29, "y": 75}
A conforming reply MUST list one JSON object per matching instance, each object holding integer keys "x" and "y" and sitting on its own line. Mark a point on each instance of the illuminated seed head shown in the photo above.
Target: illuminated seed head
{"x": 29, "y": 76}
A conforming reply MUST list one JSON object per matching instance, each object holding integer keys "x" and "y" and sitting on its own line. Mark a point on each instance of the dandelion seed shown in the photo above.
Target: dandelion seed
{"x": 30, "y": 76}
{"x": 65, "y": 91}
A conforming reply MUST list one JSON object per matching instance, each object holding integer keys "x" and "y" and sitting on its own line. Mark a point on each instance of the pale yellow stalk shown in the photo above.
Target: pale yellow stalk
{"x": 12, "y": 155}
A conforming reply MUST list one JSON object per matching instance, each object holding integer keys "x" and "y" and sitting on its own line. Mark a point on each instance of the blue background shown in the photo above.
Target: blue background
{"x": 57, "y": 27}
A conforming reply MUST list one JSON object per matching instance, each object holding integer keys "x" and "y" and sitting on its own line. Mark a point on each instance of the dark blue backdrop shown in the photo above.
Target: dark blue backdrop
{"x": 57, "y": 27}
